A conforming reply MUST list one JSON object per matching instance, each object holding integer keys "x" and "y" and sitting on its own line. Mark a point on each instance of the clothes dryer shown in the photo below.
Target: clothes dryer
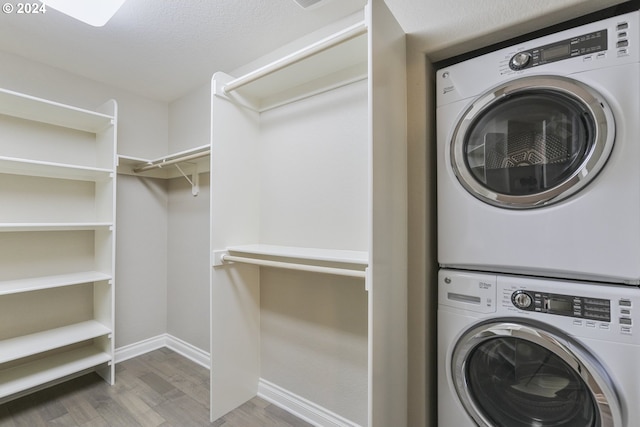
{"x": 538, "y": 154}
{"x": 519, "y": 352}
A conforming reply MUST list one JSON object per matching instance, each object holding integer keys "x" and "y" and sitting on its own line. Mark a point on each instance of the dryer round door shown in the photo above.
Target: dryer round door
{"x": 532, "y": 141}
{"x": 513, "y": 374}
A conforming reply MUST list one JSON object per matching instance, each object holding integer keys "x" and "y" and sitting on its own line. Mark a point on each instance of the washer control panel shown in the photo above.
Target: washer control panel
{"x": 564, "y": 305}
{"x": 576, "y": 46}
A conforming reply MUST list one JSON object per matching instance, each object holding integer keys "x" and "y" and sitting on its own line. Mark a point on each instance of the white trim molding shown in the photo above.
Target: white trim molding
{"x": 183, "y": 348}
{"x": 301, "y": 407}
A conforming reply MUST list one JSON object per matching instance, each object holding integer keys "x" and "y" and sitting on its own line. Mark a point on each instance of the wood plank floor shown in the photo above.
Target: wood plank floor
{"x": 160, "y": 388}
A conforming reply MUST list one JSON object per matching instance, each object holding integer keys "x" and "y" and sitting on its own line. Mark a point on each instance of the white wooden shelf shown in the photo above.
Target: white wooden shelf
{"x": 32, "y": 374}
{"x": 304, "y": 254}
{"x": 8, "y": 287}
{"x": 334, "y": 61}
{"x": 163, "y": 167}
{"x": 16, "y": 166}
{"x": 45, "y": 111}
{"x": 29, "y": 345}
{"x": 54, "y": 226}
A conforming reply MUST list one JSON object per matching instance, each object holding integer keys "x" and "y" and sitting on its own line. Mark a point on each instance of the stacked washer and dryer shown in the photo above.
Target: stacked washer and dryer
{"x": 538, "y": 152}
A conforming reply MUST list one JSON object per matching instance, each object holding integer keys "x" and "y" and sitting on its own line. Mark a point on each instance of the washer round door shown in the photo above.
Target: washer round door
{"x": 513, "y": 374}
{"x": 532, "y": 141}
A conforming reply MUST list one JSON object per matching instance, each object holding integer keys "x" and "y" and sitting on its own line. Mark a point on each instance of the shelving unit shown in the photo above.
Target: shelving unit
{"x": 308, "y": 172}
{"x": 57, "y": 231}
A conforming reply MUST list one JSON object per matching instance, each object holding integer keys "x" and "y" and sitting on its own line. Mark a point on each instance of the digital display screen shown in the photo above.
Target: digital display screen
{"x": 560, "y": 305}
{"x": 551, "y": 53}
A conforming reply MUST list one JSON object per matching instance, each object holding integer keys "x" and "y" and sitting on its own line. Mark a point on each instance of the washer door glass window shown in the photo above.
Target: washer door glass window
{"x": 532, "y": 142}
{"x": 513, "y": 375}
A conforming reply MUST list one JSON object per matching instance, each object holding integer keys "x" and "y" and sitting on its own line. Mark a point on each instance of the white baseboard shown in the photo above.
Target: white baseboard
{"x": 301, "y": 407}
{"x": 187, "y": 350}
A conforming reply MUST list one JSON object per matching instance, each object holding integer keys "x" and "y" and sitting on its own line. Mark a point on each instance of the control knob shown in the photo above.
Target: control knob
{"x": 520, "y": 60}
{"x": 522, "y": 300}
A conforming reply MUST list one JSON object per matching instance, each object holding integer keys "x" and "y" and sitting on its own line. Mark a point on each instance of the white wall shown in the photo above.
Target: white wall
{"x": 314, "y": 193}
{"x": 141, "y": 204}
{"x": 188, "y": 261}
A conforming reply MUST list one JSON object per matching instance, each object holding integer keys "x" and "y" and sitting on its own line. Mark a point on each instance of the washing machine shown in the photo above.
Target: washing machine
{"x": 538, "y": 155}
{"x": 516, "y": 351}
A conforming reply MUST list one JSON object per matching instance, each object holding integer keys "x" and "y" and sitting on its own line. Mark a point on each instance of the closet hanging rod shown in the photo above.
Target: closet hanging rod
{"x": 313, "y": 49}
{"x": 164, "y": 162}
{"x": 292, "y": 266}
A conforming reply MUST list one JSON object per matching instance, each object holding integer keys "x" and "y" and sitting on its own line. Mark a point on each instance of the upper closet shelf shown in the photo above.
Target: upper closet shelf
{"x": 334, "y": 61}
{"x": 15, "y": 166}
{"x": 197, "y": 158}
{"x": 328, "y": 261}
{"x": 41, "y": 110}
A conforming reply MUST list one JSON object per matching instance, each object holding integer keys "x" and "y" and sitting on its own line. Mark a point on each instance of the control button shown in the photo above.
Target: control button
{"x": 622, "y": 35}
{"x": 625, "y": 330}
{"x": 604, "y": 326}
{"x": 622, "y": 26}
{"x": 587, "y": 58}
{"x": 520, "y": 60}
{"x": 577, "y": 322}
{"x": 591, "y": 324}
{"x": 625, "y": 311}
{"x": 601, "y": 55}
{"x": 622, "y": 43}
{"x": 625, "y": 321}
{"x": 624, "y": 303}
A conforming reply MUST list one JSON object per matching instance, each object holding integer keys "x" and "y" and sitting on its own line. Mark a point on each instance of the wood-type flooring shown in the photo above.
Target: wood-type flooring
{"x": 160, "y": 388}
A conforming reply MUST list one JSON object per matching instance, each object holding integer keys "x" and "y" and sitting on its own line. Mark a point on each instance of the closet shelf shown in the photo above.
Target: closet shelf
{"x": 327, "y": 261}
{"x": 29, "y": 345}
{"x": 47, "y": 282}
{"x": 197, "y": 158}
{"x": 26, "y": 376}
{"x": 334, "y": 61}
{"x": 41, "y": 110}
{"x": 17, "y": 166}
{"x": 55, "y": 226}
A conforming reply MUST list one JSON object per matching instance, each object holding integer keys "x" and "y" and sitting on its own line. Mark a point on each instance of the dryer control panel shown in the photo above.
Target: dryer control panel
{"x": 564, "y": 305}
{"x": 576, "y": 46}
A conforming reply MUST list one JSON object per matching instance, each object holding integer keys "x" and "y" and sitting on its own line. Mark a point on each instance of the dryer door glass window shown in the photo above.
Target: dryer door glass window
{"x": 532, "y": 142}
{"x": 517, "y": 383}
{"x": 523, "y": 374}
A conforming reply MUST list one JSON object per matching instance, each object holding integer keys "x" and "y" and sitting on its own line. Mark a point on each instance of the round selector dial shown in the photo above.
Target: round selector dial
{"x": 522, "y": 300}
{"x": 520, "y": 60}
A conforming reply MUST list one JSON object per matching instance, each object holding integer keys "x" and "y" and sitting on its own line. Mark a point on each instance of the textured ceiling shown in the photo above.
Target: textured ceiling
{"x": 163, "y": 48}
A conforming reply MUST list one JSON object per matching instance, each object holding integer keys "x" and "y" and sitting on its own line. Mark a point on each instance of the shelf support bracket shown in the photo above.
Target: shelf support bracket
{"x": 194, "y": 181}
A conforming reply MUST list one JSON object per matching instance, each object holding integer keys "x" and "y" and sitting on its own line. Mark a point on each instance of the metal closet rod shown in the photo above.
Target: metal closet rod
{"x": 164, "y": 162}
{"x": 324, "y": 44}
{"x": 293, "y": 266}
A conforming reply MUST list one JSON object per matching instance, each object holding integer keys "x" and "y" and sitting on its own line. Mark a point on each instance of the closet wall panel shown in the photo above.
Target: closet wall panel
{"x": 188, "y": 227}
